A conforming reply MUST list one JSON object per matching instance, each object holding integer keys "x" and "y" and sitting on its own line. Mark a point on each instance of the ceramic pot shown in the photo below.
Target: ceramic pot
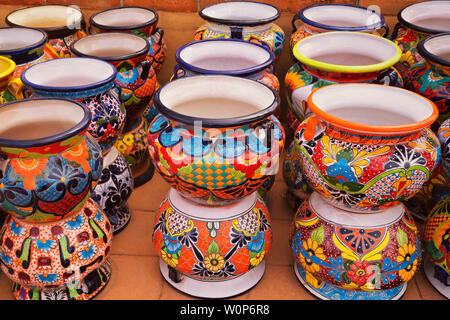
{"x": 417, "y": 22}
{"x": 51, "y": 171}
{"x": 212, "y": 252}
{"x": 437, "y": 247}
{"x": 214, "y": 157}
{"x": 341, "y": 255}
{"x": 245, "y": 20}
{"x": 63, "y": 25}
{"x": 444, "y": 139}
{"x": 136, "y": 20}
{"x": 29, "y": 50}
{"x": 335, "y": 17}
{"x": 431, "y": 76}
{"x": 10, "y": 87}
{"x": 368, "y": 146}
{"x": 89, "y": 81}
{"x": 113, "y": 190}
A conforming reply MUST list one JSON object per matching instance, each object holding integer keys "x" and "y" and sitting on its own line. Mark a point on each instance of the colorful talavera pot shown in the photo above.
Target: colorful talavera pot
{"x": 89, "y": 81}
{"x": 212, "y": 252}
{"x": 63, "y": 25}
{"x": 431, "y": 76}
{"x": 327, "y": 17}
{"x": 113, "y": 190}
{"x": 136, "y": 20}
{"x": 216, "y": 158}
{"x": 436, "y": 240}
{"x": 415, "y": 23}
{"x": 368, "y": 146}
{"x": 50, "y": 164}
{"x": 341, "y": 255}
{"x": 245, "y": 20}
{"x": 25, "y": 53}
{"x": 10, "y": 87}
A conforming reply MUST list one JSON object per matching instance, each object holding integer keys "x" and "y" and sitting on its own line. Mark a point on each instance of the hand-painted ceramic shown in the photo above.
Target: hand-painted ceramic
{"x": 136, "y": 20}
{"x": 431, "y": 76}
{"x": 25, "y": 46}
{"x": 245, "y": 20}
{"x": 42, "y": 256}
{"x": 89, "y": 81}
{"x": 113, "y": 190}
{"x": 437, "y": 246}
{"x": 222, "y": 157}
{"x": 344, "y": 255}
{"x": 63, "y": 25}
{"x": 368, "y": 146}
{"x": 327, "y": 17}
{"x": 417, "y": 22}
{"x": 51, "y": 171}
{"x": 10, "y": 87}
{"x": 444, "y": 139}
{"x": 212, "y": 252}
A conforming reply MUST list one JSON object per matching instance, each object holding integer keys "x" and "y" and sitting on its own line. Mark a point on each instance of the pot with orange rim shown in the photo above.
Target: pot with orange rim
{"x": 367, "y": 146}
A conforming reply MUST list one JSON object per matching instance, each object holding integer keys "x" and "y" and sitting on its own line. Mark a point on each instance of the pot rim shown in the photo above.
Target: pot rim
{"x": 372, "y": 129}
{"x": 20, "y": 50}
{"x": 213, "y": 122}
{"x": 344, "y": 68}
{"x": 236, "y": 72}
{"x": 410, "y": 25}
{"x": 130, "y": 27}
{"x": 313, "y": 23}
{"x": 243, "y": 23}
{"x": 10, "y": 69}
{"x": 430, "y": 56}
{"x": 30, "y": 143}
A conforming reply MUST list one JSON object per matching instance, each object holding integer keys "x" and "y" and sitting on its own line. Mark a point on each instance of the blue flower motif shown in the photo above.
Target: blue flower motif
{"x": 47, "y": 278}
{"x": 99, "y": 216}
{"x": 75, "y": 223}
{"x": 257, "y": 242}
{"x": 5, "y": 258}
{"x": 342, "y": 171}
{"x": 88, "y": 253}
{"x": 172, "y": 244}
{"x": 17, "y": 229}
{"x": 45, "y": 245}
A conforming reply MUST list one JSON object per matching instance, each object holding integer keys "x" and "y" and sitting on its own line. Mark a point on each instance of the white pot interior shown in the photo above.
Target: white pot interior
{"x": 124, "y": 17}
{"x": 429, "y": 14}
{"x": 17, "y": 38}
{"x": 46, "y": 16}
{"x": 341, "y": 16}
{"x": 439, "y": 46}
{"x": 238, "y": 11}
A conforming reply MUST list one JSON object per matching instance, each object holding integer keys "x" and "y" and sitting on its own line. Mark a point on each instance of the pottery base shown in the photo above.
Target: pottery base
{"x": 119, "y": 217}
{"x": 330, "y": 292}
{"x": 86, "y": 289}
{"x": 144, "y": 175}
{"x": 215, "y": 289}
{"x": 428, "y": 268}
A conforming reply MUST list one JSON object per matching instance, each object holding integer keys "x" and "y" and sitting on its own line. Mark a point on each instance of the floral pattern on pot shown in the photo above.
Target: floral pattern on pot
{"x": 407, "y": 40}
{"x": 444, "y": 139}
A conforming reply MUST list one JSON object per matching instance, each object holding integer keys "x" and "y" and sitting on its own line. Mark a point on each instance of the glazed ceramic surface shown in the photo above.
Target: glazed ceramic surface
{"x": 444, "y": 139}
{"x": 354, "y": 253}
{"x": 89, "y": 81}
{"x": 63, "y": 25}
{"x": 136, "y": 20}
{"x": 10, "y": 87}
{"x": 47, "y": 178}
{"x": 335, "y": 17}
{"x": 249, "y": 21}
{"x": 365, "y": 150}
{"x": 216, "y": 160}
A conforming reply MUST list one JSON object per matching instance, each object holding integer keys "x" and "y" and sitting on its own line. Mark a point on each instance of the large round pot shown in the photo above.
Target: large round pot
{"x": 327, "y": 17}
{"x": 218, "y": 142}
{"x": 245, "y": 20}
{"x": 10, "y": 87}
{"x": 341, "y": 255}
{"x": 368, "y": 146}
{"x": 49, "y": 163}
{"x": 136, "y": 20}
{"x": 415, "y": 23}
{"x": 212, "y": 252}
{"x": 63, "y": 25}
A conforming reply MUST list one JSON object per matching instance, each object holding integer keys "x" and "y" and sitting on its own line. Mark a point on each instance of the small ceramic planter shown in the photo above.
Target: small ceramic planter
{"x": 368, "y": 146}
{"x": 224, "y": 145}
{"x": 89, "y": 81}
{"x": 136, "y": 20}
{"x": 62, "y": 24}
{"x": 431, "y": 76}
{"x": 341, "y": 255}
{"x": 417, "y": 22}
{"x": 29, "y": 51}
{"x": 212, "y": 252}
{"x": 437, "y": 247}
{"x": 335, "y": 17}
{"x": 245, "y": 20}
{"x": 10, "y": 87}
{"x": 113, "y": 190}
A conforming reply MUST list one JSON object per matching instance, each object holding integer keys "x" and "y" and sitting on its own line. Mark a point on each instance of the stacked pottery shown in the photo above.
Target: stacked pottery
{"x": 62, "y": 24}
{"x": 417, "y": 22}
{"x": 215, "y": 145}
{"x": 10, "y": 87}
{"x": 366, "y": 149}
{"x": 244, "y": 20}
{"x": 55, "y": 241}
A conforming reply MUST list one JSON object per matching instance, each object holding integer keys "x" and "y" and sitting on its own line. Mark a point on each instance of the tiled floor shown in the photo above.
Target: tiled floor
{"x": 135, "y": 264}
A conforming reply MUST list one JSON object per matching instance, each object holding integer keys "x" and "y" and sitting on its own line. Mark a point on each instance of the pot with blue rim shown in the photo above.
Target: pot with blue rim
{"x": 218, "y": 142}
